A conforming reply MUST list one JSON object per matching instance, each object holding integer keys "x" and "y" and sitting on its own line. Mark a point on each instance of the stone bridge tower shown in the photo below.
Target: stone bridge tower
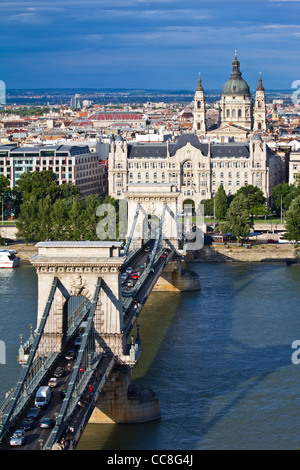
{"x": 78, "y": 266}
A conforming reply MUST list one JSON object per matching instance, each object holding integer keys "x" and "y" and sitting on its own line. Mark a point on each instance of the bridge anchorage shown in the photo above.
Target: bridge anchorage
{"x": 85, "y": 304}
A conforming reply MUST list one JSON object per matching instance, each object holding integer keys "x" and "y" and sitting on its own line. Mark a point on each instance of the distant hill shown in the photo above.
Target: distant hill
{"x": 54, "y": 96}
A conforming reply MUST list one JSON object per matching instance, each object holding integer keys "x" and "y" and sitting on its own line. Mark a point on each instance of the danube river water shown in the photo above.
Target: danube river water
{"x": 220, "y": 360}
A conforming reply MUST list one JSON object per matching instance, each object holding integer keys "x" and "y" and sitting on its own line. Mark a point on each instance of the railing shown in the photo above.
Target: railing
{"x": 76, "y": 386}
{"x": 91, "y": 406}
{"x": 20, "y": 391}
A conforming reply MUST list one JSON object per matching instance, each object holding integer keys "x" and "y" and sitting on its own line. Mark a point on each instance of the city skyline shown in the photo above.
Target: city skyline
{"x": 147, "y": 44}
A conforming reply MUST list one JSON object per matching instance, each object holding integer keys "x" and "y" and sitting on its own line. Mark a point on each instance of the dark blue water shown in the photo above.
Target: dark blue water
{"x": 219, "y": 360}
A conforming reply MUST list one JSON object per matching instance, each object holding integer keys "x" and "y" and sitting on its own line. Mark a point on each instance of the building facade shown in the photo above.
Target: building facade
{"x": 239, "y": 116}
{"x": 71, "y": 164}
{"x": 294, "y": 167}
{"x": 194, "y": 168}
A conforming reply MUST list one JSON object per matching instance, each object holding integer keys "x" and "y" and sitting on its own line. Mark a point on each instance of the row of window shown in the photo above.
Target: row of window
{"x": 163, "y": 165}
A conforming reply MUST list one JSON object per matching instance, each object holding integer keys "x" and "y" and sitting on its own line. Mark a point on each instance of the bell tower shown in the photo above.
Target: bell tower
{"x": 199, "y": 109}
{"x": 259, "y": 112}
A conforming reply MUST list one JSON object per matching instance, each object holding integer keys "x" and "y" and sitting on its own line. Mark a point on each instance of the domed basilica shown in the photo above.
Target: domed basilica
{"x": 239, "y": 117}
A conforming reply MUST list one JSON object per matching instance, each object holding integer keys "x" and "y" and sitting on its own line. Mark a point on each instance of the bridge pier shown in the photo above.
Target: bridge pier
{"x": 122, "y": 402}
{"x": 176, "y": 279}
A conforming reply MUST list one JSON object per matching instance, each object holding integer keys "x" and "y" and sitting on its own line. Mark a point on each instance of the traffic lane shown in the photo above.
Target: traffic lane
{"x": 136, "y": 269}
{"x": 34, "y": 435}
{"x": 139, "y": 297}
{"x": 140, "y": 256}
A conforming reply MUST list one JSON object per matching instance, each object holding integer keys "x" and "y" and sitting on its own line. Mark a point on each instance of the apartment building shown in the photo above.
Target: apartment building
{"x": 294, "y": 166}
{"x": 71, "y": 164}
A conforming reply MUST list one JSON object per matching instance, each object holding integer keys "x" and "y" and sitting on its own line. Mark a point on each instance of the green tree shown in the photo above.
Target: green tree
{"x": 4, "y": 193}
{"x": 89, "y": 217}
{"x": 283, "y": 194}
{"x": 27, "y": 221}
{"x": 68, "y": 190}
{"x": 221, "y": 203}
{"x": 38, "y": 184}
{"x": 238, "y": 218}
{"x": 255, "y": 198}
{"x": 293, "y": 221}
{"x": 75, "y": 221}
{"x": 59, "y": 219}
{"x": 208, "y": 207}
{"x": 43, "y": 222}
{"x": 4, "y": 186}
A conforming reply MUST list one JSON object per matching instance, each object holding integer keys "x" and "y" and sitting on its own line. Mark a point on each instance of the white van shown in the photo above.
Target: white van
{"x": 284, "y": 240}
{"x": 42, "y": 397}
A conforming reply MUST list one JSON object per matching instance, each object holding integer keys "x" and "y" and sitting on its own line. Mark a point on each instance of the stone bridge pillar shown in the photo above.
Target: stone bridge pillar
{"x": 152, "y": 201}
{"x": 78, "y": 265}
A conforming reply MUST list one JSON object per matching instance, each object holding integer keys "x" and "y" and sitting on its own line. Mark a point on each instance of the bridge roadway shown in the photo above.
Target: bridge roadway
{"x": 38, "y": 436}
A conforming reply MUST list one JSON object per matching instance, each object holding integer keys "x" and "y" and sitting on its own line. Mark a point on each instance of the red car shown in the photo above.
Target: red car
{"x": 135, "y": 276}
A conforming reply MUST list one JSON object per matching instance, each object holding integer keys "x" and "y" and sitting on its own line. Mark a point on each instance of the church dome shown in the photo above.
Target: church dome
{"x": 236, "y": 85}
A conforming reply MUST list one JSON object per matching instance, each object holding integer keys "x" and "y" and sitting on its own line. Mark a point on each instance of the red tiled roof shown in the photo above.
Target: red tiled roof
{"x": 115, "y": 117}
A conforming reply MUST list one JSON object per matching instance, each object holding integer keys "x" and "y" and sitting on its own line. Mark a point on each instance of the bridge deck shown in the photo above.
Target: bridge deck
{"x": 37, "y": 437}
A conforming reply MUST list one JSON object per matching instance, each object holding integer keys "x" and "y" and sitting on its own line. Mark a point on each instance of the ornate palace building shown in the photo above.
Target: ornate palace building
{"x": 195, "y": 169}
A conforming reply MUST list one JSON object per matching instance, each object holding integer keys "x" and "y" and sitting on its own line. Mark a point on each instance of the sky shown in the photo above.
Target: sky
{"x": 140, "y": 44}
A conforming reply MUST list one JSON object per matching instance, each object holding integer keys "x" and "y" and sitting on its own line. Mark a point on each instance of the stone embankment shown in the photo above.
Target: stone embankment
{"x": 256, "y": 253}
{"x": 219, "y": 253}
{"x": 24, "y": 252}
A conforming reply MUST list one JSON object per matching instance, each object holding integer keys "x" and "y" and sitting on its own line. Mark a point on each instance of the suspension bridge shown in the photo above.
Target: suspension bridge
{"x": 90, "y": 295}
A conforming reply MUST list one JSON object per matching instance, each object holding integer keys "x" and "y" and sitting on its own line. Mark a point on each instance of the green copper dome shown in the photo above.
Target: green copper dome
{"x": 236, "y": 85}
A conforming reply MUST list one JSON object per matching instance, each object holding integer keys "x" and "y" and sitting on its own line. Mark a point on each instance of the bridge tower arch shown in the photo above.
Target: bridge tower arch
{"x": 155, "y": 204}
{"x": 78, "y": 266}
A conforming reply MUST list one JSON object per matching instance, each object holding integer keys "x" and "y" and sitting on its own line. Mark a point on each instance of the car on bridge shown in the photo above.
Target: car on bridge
{"x": 130, "y": 283}
{"x": 70, "y": 355}
{"x": 129, "y": 270}
{"x": 52, "y": 382}
{"x": 18, "y": 438}
{"x": 47, "y": 423}
{"x": 59, "y": 372}
{"x": 27, "y": 424}
{"x": 33, "y": 413}
{"x": 135, "y": 276}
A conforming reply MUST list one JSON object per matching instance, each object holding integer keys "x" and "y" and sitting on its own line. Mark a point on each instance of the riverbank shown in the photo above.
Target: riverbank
{"x": 24, "y": 252}
{"x": 220, "y": 253}
{"x": 217, "y": 253}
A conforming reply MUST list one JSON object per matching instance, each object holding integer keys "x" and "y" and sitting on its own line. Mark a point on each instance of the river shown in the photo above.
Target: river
{"x": 220, "y": 359}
